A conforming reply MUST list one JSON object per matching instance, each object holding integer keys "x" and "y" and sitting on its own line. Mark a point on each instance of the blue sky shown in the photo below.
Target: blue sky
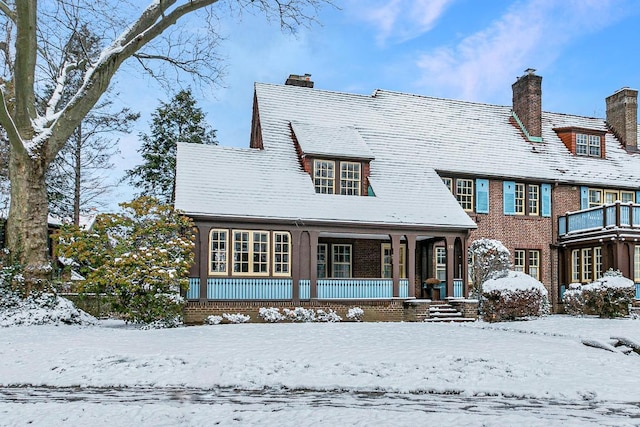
{"x": 462, "y": 49}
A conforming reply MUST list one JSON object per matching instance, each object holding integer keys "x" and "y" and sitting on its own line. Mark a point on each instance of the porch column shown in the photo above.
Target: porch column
{"x": 395, "y": 264}
{"x": 465, "y": 267}
{"x": 451, "y": 263}
{"x": 313, "y": 264}
{"x": 411, "y": 264}
{"x": 296, "y": 236}
{"x": 203, "y": 233}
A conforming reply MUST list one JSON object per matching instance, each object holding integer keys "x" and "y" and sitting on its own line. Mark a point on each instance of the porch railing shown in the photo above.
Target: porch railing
{"x": 637, "y": 290}
{"x": 457, "y": 288}
{"x": 194, "y": 288}
{"x": 355, "y": 288}
{"x": 225, "y": 288}
{"x": 620, "y": 215}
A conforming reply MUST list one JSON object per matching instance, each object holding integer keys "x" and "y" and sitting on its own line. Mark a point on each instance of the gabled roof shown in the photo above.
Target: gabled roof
{"x": 409, "y": 138}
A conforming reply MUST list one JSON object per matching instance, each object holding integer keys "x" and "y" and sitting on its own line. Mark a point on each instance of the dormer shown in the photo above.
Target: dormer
{"x": 335, "y": 157}
{"x": 583, "y": 142}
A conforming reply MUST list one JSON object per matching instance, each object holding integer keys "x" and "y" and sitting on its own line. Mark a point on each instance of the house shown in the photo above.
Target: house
{"x": 345, "y": 198}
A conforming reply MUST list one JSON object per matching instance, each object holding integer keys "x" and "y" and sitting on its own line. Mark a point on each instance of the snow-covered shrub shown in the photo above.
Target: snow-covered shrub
{"x": 40, "y": 309}
{"x": 271, "y": 314}
{"x": 300, "y": 314}
{"x": 236, "y": 318}
{"x": 327, "y": 316}
{"x": 488, "y": 259}
{"x": 355, "y": 314}
{"x": 515, "y": 296}
{"x": 141, "y": 257}
{"x": 609, "y": 296}
{"x": 213, "y": 320}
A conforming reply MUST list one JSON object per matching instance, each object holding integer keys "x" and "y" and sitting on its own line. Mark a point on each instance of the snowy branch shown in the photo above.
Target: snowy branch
{"x": 6, "y": 10}
{"x": 8, "y": 124}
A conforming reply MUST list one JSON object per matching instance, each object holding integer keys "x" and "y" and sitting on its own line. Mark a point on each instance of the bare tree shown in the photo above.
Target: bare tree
{"x": 35, "y": 50}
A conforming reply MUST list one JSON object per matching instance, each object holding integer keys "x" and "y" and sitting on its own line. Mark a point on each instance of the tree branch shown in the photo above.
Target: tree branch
{"x": 6, "y": 10}
{"x": 25, "y": 64}
{"x": 9, "y": 126}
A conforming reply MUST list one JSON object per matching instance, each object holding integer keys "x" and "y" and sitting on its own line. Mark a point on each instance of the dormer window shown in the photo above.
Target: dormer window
{"x": 588, "y": 145}
{"x": 324, "y": 176}
{"x": 583, "y": 142}
{"x": 325, "y": 182}
{"x": 350, "y": 178}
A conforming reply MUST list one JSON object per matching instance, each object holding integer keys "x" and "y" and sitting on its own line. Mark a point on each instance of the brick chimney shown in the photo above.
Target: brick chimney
{"x": 622, "y": 117}
{"x": 527, "y": 103}
{"x": 296, "y": 80}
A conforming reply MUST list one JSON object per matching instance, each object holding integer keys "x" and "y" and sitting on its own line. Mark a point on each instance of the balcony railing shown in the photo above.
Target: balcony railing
{"x": 616, "y": 215}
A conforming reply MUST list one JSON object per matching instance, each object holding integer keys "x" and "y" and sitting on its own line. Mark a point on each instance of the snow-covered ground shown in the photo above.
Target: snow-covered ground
{"x": 534, "y": 373}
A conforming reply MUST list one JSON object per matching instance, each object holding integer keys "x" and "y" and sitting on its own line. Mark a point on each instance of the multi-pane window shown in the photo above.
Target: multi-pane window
{"x": 350, "y": 178}
{"x": 520, "y": 198}
{"x": 281, "y": 254}
{"x": 387, "y": 261}
{"x": 611, "y": 196}
{"x": 518, "y": 260}
{"x": 586, "y": 264}
{"x": 324, "y": 176}
{"x": 441, "y": 263}
{"x": 588, "y": 145}
{"x": 636, "y": 264}
{"x": 341, "y": 260}
{"x": 322, "y": 261}
{"x": 449, "y": 183}
{"x": 534, "y": 199}
{"x": 251, "y": 252}
{"x": 595, "y": 197}
{"x": 627, "y": 196}
{"x": 464, "y": 193}
{"x": 534, "y": 264}
{"x": 218, "y": 251}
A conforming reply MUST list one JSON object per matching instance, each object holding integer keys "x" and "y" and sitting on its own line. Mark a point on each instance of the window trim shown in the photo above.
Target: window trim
{"x": 579, "y": 264}
{"x": 383, "y": 264}
{"x": 525, "y": 257}
{"x": 325, "y": 262}
{"x": 330, "y": 184}
{"x": 335, "y": 263}
{"x": 225, "y": 262}
{"x": 344, "y": 165}
{"x": 440, "y": 252}
{"x": 586, "y": 143}
{"x": 636, "y": 264}
{"x": 250, "y": 252}
{"x": 286, "y": 253}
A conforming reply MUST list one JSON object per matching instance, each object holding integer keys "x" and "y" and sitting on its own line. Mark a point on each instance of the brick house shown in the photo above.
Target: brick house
{"x": 344, "y": 197}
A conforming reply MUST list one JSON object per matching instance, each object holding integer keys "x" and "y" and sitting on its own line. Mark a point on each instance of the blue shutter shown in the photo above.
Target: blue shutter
{"x": 546, "y": 200}
{"x": 638, "y": 197}
{"x": 584, "y": 197}
{"x": 509, "y": 197}
{"x": 482, "y": 196}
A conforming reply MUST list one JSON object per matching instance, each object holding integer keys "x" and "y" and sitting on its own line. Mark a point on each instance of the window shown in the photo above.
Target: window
{"x": 350, "y": 181}
{"x": 527, "y": 261}
{"x": 520, "y": 199}
{"x": 250, "y": 252}
{"x": 322, "y": 261}
{"x": 534, "y": 199}
{"x": 218, "y": 252}
{"x": 627, "y": 196}
{"x": 586, "y": 264}
{"x": 324, "y": 176}
{"x": 588, "y": 145}
{"x": 610, "y": 196}
{"x": 636, "y": 264}
{"x": 464, "y": 193}
{"x": 595, "y": 197}
{"x": 341, "y": 265}
{"x": 387, "y": 261}
{"x": 518, "y": 260}
{"x": 281, "y": 251}
{"x": 441, "y": 263}
{"x": 448, "y": 182}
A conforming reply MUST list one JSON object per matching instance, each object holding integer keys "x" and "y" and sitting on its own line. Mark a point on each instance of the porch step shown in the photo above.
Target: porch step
{"x": 446, "y": 313}
{"x": 449, "y": 319}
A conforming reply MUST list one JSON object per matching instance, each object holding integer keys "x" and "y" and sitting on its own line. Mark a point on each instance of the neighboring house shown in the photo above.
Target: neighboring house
{"x": 354, "y": 197}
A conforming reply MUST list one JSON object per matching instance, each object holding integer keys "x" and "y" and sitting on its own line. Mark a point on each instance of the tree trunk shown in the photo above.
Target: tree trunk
{"x": 27, "y": 225}
{"x": 77, "y": 174}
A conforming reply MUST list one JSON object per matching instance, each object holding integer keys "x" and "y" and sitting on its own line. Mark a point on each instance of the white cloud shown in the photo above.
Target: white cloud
{"x": 530, "y": 34}
{"x": 400, "y": 20}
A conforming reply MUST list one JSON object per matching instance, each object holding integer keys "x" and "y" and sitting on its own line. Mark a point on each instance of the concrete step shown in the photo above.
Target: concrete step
{"x": 449, "y": 319}
{"x": 448, "y": 314}
{"x": 442, "y": 310}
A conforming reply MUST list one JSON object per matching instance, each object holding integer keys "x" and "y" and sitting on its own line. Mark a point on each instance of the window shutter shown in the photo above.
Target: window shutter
{"x": 509, "y": 197}
{"x": 638, "y": 197}
{"x": 482, "y": 196}
{"x": 584, "y": 197}
{"x": 546, "y": 200}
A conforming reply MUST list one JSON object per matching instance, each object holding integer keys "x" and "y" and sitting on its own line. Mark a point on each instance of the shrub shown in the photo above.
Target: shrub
{"x": 515, "y": 296}
{"x": 330, "y": 316}
{"x": 271, "y": 315}
{"x": 236, "y": 318}
{"x": 213, "y": 320}
{"x": 607, "y": 297}
{"x": 300, "y": 314}
{"x": 355, "y": 313}
{"x": 488, "y": 259}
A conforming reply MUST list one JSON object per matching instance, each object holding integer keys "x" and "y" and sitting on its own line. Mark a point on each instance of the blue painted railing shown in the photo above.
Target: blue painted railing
{"x": 305, "y": 289}
{"x": 355, "y": 288}
{"x": 457, "y": 288}
{"x": 404, "y": 288}
{"x": 621, "y": 215}
{"x": 194, "y": 288}
{"x": 637, "y": 290}
{"x": 563, "y": 289}
{"x": 225, "y": 288}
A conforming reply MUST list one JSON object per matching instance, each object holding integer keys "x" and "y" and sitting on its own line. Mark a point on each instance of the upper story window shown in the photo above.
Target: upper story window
{"x": 588, "y": 145}
{"x": 594, "y": 197}
{"x": 526, "y": 199}
{"x": 462, "y": 189}
{"x": 326, "y": 182}
{"x": 350, "y": 178}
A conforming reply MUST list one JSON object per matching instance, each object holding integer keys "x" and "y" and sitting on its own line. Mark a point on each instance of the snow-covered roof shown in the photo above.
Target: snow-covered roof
{"x": 408, "y": 137}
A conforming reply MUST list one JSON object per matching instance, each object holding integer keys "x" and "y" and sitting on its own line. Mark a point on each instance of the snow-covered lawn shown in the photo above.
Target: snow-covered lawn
{"x": 540, "y": 359}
